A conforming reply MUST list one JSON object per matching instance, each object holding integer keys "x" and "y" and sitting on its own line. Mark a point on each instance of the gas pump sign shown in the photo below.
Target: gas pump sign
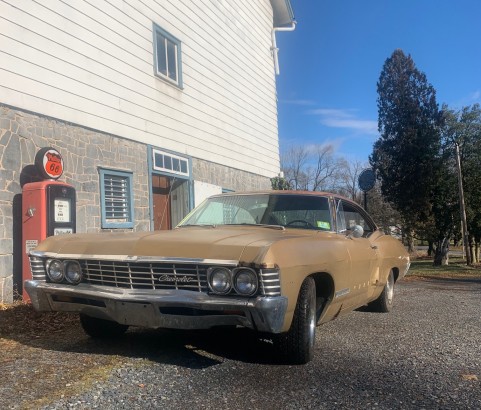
{"x": 49, "y": 163}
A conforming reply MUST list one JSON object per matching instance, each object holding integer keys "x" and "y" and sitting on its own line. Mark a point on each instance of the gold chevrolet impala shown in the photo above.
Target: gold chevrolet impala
{"x": 277, "y": 262}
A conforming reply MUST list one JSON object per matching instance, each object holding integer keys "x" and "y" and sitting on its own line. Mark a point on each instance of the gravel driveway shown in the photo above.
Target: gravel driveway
{"x": 425, "y": 354}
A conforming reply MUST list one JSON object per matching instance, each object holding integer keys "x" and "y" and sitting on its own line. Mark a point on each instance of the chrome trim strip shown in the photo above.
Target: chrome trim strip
{"x": 342, "y": 292}
{"x": 130, "y": 258}
{"x": 38, "y": 269}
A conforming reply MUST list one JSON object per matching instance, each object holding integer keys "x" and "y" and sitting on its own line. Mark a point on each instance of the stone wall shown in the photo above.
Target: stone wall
{"x": 22, "y": 134}
{"x": 228, "y": 178}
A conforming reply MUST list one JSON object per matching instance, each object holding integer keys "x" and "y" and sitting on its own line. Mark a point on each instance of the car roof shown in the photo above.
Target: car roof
{"x": 298, "y": 193}
{"x": 286, "y": 192}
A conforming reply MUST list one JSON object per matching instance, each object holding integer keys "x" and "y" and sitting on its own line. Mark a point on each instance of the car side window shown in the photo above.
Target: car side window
{"x": 348, "y": 216}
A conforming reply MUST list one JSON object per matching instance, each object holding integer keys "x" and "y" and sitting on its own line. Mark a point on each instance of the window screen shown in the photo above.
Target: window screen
{"x": 117, "y": 199}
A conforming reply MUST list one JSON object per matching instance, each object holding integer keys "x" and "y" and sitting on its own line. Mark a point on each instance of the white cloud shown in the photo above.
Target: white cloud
{"x": 335, "y": 143}
{"x": 335, "y": 118}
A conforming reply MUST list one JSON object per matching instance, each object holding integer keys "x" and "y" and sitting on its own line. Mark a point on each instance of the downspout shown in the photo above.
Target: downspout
{"x": 274, "y": 48}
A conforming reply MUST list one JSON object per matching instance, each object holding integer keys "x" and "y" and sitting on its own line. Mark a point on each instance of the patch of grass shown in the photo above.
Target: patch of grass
{"x": 457, "y": 268}
{"x": 81, "y": 379}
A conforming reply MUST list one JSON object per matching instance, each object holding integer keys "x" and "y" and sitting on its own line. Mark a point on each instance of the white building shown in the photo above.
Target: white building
{"x": 175, "y": 99}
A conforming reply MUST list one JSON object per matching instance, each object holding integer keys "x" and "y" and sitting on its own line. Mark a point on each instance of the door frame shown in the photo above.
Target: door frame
{"x": 153, "y": 171}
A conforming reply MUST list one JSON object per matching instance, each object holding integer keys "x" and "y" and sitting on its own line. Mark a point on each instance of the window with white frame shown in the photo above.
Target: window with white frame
{"x": 168, "y": 63}
{"x": 173, "y": 164}
{"x": 116, "y": 196}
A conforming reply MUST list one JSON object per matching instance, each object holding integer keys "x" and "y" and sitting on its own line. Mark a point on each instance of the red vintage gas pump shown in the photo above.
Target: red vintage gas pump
{"x": 48, "y": 207}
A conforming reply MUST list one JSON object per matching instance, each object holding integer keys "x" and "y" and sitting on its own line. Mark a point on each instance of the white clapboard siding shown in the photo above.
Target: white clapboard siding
{"x": 31, "y": 52}
{"x": 24, "y": 67}
{"x": 134, "y": 73}
{"x": 90, "y": 62}
{"x": 51, "y": 78}
{"x": 90, "y": 120}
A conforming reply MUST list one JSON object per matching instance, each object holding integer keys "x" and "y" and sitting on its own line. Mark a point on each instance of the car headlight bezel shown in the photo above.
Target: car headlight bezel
{"x": 218, "y": 275}
{"x": 243, "y": 277}
{"x": 71, "y": 269}
{"x": 55, "y": 270}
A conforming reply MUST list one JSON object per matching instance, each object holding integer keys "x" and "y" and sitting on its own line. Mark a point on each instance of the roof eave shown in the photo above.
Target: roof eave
{"x": 283, "y": 13}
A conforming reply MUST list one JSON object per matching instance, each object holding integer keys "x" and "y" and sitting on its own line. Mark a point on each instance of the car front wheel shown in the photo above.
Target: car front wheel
{"x": 297, "y": 345}
{"x": 100, "y": 328}
{"x": 383, "y": 303}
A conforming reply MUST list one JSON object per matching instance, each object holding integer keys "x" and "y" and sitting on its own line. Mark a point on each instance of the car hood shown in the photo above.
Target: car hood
{"x": 222, "y": 243}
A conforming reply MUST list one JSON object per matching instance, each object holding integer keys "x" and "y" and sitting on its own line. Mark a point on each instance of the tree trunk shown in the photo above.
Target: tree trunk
{"x": 441, "y": 257}
{"x": 470, "y": 249}
{"x": 430, "y": 248}
{"x": 410, "y": 241}
{"x": 474, "y": 249}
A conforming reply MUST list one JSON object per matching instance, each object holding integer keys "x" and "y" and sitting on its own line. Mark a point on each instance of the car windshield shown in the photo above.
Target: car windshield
{"x": 290, "y": 211}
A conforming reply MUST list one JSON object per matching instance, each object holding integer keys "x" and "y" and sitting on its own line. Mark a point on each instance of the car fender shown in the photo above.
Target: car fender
{"x": 302, "y": 257}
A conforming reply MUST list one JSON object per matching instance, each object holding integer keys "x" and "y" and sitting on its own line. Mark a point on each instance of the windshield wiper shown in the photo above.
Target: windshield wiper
{"x": 279, "y": 227}
{"x": 203, "y": 225}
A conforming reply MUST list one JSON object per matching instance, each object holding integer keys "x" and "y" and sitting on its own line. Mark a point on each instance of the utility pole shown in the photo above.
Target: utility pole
{"x": 462, "y": 207}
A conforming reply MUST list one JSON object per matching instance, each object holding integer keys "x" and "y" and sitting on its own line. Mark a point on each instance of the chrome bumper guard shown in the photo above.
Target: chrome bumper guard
{"x": 174, "y": 309}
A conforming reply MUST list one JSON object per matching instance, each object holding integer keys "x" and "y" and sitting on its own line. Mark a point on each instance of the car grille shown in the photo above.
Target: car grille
{"x": 270, "y": 285}
{"x": 132, "y": 275}
{"x": 37, "y": 268}
{"x": 160, "y": 275}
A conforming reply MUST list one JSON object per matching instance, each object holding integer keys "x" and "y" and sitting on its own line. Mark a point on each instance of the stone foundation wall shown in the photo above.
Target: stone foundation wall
{"x": 228, "y": 178}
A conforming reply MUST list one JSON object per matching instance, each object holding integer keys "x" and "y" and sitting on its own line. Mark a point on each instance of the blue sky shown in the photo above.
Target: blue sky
{"x": 330, "y": 64}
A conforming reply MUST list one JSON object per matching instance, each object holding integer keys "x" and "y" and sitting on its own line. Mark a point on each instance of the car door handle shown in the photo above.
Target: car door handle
{"x": 373, "y": 247}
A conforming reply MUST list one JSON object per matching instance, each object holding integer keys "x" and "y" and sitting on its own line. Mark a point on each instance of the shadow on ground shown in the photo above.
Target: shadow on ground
{"x": 62, "y": 332}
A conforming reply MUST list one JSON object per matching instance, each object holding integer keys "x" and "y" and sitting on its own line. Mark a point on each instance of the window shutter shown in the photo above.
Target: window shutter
{"x": 116, "y": 197}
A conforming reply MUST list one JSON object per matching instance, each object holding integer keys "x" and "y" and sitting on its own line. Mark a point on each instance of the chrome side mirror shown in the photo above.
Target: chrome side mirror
{"x": 357, "y": 231}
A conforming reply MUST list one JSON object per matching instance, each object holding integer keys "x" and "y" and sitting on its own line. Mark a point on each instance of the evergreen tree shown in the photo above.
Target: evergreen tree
{"x": 280, "y": 184}
{"x": 406, "y": 157}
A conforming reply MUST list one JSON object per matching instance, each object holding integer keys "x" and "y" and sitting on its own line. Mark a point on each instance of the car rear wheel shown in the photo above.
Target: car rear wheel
{"x": 383, "y": 303}
{"x": 100, "y": 328}
{"x": 297, "y": 345}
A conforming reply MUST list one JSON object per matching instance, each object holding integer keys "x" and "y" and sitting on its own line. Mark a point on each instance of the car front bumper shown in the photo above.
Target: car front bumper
{"x": 175, "y": 309}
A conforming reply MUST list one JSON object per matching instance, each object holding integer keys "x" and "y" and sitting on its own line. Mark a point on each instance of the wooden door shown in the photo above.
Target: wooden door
{"x": 161, "y": 201}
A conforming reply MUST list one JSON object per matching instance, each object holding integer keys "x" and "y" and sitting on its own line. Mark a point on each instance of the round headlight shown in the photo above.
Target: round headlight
{"x": 55, "y": 270}
{"x": 245, "y": 282}
{"x": 220, "y": 280}
{"x": 73, "y": 273}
